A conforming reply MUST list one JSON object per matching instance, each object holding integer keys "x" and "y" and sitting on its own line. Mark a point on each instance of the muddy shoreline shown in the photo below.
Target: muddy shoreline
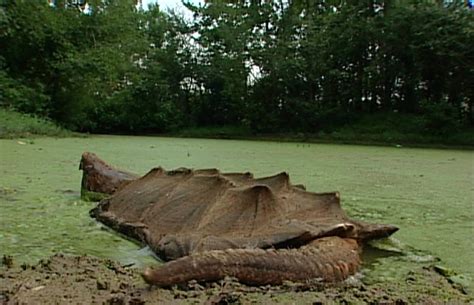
{"x": 63, "y": 279}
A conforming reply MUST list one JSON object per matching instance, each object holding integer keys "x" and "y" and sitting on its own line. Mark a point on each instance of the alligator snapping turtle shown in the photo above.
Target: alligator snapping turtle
{"x": 210, "y": 224}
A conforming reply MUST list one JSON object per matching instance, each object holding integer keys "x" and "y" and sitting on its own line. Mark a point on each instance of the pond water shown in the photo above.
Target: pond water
{"x": 428, "y": 193}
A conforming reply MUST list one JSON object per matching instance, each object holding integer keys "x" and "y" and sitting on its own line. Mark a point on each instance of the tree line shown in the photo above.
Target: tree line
{"x": 269, "y": 66}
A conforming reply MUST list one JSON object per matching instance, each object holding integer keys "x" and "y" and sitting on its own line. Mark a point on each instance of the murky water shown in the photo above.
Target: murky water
{"x": 428, "y": 193}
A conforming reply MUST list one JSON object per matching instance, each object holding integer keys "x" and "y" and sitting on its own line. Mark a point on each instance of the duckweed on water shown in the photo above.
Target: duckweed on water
{"x": 427, "y": 193}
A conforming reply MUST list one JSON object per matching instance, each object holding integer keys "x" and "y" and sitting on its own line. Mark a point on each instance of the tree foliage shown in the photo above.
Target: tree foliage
{"x": 267, "y": 65}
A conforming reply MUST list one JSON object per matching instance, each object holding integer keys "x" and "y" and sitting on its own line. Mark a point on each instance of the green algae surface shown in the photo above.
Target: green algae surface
{"x": 428, "y": 193}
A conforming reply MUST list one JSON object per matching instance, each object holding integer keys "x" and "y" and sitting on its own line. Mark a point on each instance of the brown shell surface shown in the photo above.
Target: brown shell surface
{"x": 185, "y": 211}
{"x": 212, "y": 224}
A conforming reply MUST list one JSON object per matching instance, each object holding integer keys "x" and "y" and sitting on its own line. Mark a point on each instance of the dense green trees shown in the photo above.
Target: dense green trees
{"x": 271, "y": 66}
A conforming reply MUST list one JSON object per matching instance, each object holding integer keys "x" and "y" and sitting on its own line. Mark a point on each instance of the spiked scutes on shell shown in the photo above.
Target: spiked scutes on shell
{"x": 212, "y": 224}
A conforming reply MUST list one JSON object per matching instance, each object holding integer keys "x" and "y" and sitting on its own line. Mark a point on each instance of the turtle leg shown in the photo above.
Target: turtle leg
{"x": 329, "y": 259}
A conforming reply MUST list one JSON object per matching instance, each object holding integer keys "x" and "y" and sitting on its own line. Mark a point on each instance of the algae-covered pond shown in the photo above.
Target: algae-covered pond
{"x": 428, "y": 193}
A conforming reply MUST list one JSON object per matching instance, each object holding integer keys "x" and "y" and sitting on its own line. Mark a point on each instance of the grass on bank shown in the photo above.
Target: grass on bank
{"x": 403, "y": 129}
{"x": 380, "y": 129}
{"x": 375, "y": 129}
{"x": 18, "y": 125}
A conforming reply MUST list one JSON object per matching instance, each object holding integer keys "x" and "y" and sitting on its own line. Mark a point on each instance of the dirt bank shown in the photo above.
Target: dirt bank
{"x": 64, "y": 279}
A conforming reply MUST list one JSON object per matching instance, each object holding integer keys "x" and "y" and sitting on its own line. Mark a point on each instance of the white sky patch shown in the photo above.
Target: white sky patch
{"x": 175, "y": 5}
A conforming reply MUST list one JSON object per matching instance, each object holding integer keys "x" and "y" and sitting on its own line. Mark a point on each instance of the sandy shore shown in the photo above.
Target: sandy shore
{"x": 64, "y": 279}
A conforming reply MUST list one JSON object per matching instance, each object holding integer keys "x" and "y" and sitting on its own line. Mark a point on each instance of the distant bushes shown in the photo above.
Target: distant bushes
{"x": 373, "y": 67}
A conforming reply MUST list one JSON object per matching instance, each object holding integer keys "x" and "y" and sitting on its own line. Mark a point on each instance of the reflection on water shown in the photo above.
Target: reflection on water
{"x": 427, "y": 193}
